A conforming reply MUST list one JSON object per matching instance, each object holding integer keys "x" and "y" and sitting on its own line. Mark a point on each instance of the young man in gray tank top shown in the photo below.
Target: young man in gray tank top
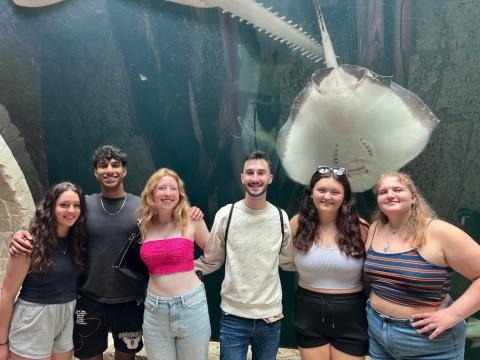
{"x": 252, "y": 251}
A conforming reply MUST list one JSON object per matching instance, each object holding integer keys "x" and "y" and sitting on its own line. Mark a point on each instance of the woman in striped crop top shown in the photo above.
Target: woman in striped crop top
{"x": 410, "y": 259}
{"x": 176, "y": 323}
{"x": 330, "y": 320}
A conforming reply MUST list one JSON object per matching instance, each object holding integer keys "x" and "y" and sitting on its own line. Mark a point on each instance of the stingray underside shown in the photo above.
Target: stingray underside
{"x": 351, "y": 117}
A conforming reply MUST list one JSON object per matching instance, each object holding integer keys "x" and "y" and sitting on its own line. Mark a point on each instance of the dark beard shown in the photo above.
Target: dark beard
{"x": 264, "y": 190}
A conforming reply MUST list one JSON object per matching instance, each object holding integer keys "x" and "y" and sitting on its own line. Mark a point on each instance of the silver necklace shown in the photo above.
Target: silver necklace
{"x": 116, "y": 212}
{"x": 394, "y": 232}
{"x": 63, "y": 250}
{"x": 386, "y": 248}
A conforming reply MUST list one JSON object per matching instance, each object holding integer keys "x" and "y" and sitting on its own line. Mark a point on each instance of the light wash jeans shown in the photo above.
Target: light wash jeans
{"x": 236, "y": 333}
{"x": 177, "y": 327}
{"x": 396, "y": 339}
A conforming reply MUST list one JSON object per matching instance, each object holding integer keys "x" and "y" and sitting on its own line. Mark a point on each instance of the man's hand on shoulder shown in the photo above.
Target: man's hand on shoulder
{"x": 195, "y": 213}
{"x": 21, "y": 243}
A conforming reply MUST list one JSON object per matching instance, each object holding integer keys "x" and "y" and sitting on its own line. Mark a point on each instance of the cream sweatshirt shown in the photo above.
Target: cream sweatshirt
{"x": 251, "y": 287}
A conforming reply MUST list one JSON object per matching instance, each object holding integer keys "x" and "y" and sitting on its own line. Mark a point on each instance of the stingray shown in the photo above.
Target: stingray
{"x": 348, "y": 116}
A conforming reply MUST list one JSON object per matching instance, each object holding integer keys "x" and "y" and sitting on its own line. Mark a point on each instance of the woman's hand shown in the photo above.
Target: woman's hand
{"x": 435, "y": 322}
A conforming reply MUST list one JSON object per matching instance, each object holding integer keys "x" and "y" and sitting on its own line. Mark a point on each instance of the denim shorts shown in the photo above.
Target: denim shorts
{"x": 39, "y": 330}
{"x": 177, "y": 327}
{"x": 393, "y": 338}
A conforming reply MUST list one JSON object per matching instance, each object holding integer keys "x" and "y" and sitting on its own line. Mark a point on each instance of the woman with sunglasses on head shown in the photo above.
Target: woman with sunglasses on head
{"x": 39, "y": 324}
{"x": 176, "y": 323}
{"x": 329, "y": 240}
{"x": 411, "y": 256}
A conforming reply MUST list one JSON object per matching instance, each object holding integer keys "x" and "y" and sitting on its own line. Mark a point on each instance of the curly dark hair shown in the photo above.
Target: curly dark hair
{"x": 349, "y": 239}
{"x": 109, "y": 152}
{"x": 43, "y": 228}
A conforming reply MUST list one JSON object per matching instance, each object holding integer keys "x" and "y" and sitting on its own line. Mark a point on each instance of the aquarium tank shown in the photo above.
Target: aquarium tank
{"x": 196, "y": 88}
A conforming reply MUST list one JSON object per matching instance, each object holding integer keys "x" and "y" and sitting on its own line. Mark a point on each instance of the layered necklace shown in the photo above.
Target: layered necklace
{"x": 394, "y": 231}
{"x": 116, "y": 212}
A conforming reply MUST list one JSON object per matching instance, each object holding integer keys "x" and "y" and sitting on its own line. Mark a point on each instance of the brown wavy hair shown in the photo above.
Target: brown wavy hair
{"x": 420, "y": 216}
{"x": 349, "y": 238}
{"x": 147, "y": 210}
{"x": 43, "y": 228}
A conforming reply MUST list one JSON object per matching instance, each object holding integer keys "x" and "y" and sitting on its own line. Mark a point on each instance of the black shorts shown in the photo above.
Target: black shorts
{"x": 336, "y": 319}
{"x": 93, "y": 321}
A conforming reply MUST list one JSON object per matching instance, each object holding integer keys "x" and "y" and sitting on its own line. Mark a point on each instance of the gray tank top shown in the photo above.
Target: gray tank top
{"x": 328, "y": 268}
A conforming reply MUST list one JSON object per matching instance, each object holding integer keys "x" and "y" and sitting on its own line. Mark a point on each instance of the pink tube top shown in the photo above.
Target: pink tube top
{"x": 167, "y": 256}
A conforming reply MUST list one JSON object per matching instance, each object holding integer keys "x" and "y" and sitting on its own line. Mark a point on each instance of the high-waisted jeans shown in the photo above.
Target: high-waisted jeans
{"x": 395, "y": 339}
{"x": 177, "y": 327}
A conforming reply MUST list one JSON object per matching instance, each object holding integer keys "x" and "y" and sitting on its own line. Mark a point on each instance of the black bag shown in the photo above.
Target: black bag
{"x": 129, "y": 261}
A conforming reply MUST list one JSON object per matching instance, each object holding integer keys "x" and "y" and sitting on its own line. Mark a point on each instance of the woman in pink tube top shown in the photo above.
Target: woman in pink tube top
{"x": 411, "y": 256}
{"x": 176, "y": 323}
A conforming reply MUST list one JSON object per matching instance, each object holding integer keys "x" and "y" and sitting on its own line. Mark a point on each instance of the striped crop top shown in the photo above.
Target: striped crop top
{"x": 407, "y": 278}
{"x": 167, "y": 256}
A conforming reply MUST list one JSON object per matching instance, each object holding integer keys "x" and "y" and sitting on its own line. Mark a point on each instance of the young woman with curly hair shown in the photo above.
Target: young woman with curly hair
{"x": 176, "y": 324}
{"x": 39, "y": 324}
{"x": 329, "y": 240}
{"x": 411, "y": 256}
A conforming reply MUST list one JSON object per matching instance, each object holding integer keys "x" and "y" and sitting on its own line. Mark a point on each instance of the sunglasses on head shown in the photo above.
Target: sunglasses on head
{"x": 325, "y": 170}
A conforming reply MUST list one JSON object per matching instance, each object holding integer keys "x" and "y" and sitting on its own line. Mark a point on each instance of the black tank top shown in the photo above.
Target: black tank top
{"x": 56, "y": 286}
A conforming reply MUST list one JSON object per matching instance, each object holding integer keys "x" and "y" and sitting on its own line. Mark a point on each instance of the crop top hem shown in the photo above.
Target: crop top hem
{"x": 311, "y": 286}
{"x": 177, "y": 270}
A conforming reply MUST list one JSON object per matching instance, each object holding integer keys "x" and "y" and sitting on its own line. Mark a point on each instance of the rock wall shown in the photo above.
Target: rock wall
{"x": 16, "y": 202}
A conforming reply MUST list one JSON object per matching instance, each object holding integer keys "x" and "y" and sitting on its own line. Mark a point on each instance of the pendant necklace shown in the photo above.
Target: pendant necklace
{"x": 386, "y": 248}
{"x": 116, "y": 212}
{"x": 394, "y": 232}
{"x": 63, "y": 250}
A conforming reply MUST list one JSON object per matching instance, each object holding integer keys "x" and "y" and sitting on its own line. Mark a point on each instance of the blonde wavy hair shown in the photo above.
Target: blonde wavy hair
{"x": 147, "y": 209}
{"x": 420, "y": 216}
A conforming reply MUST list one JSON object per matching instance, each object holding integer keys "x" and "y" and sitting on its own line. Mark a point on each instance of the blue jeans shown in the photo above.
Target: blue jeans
{"x": 177, "y": 327}
{"x": 236, "y": 333}
{"x": 396, "y": 339}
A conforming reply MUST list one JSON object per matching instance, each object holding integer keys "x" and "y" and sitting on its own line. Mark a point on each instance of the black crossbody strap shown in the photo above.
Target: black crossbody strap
{"x": 228, "y": 226}
{"x": 281, "y": 225}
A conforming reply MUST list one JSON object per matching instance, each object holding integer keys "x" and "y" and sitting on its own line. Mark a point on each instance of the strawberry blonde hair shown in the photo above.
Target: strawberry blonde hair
{"x": 147, "y": 210}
